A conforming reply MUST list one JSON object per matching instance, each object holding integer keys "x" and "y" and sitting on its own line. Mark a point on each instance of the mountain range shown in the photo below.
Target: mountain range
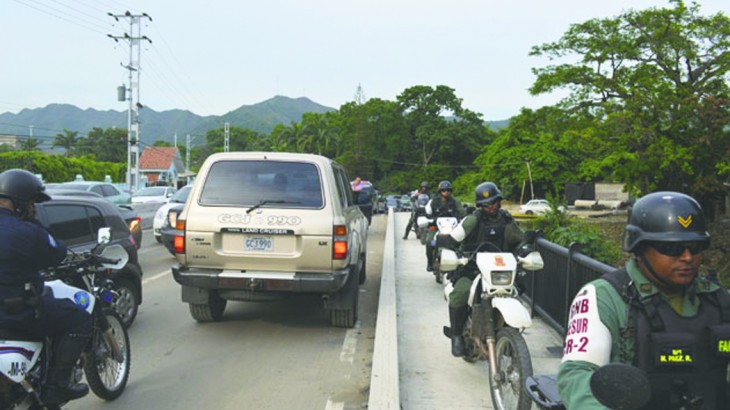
{"x": 52, "y": 119}
{"x": 47, "y": 122}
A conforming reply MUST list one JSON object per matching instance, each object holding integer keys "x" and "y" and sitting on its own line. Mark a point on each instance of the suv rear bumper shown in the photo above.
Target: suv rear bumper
{"x": 297, "y": 282}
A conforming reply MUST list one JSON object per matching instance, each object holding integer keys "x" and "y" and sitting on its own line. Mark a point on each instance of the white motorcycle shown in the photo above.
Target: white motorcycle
{"x": 24, "y": 360}
{"x": 444, "y": 226}
{"x": 496, "y": 320}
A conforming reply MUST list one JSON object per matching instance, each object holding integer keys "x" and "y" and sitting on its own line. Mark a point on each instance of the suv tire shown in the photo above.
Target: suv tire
{"x": 211, "y": 311}
{"x": 363, "y": 268}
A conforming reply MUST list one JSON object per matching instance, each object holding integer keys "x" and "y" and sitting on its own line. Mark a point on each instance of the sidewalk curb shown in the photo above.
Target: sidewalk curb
{"x": 384, "y": 377}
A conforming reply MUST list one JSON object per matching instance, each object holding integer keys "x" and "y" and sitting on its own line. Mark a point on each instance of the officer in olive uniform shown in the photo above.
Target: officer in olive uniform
{"x": 489, "y": 223}
{"x": 25, "y": 249}
{"x": 423, "y": 190}
{"x": 444, "y": 204}
{"x": 655, "y": 314}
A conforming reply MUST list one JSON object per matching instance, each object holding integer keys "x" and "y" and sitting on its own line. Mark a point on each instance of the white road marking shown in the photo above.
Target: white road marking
{"x": 157, "y": 276}
{"x": 350, "y": 344}
{"x": 331, "y": 405}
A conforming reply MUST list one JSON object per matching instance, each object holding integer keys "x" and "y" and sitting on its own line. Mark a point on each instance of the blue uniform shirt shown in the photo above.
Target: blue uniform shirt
{"x": 25, "y": 249}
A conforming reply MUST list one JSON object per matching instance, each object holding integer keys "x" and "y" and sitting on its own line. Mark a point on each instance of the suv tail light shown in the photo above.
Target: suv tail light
{"x": 179, "y": 241}
{"x": 339, "y": 242}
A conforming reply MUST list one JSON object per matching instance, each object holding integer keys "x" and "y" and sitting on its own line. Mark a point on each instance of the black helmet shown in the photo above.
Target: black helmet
{"x": 665, "y": 217}
{"x": 21, "y": 187}
{"x": 486, "y": 193}
{"x": 445, "y": 185}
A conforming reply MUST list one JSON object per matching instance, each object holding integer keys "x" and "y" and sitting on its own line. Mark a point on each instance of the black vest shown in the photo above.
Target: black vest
{"x": 444, "y": 208}
{"x": 681, "y": 356}
{"x": 488, "y": 230}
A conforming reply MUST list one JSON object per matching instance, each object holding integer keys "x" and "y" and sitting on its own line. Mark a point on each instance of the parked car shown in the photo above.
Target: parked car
{"x": 105, "y": 189}
{"x": 178, "y": 199}
{"x": 131, "y": 217}
{"x": 150, "y": 194}
{"x": 168, "y": 230}
{"x": 76, "y": 220}
{"x": 379, "y": 206}
{"x": 262, "y": 225}
{"x": 393, "y": 201}
{"x": 537, "y": 207}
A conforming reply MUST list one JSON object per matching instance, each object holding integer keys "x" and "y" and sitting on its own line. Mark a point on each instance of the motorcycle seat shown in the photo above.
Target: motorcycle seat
{"x": 20, "y": 335}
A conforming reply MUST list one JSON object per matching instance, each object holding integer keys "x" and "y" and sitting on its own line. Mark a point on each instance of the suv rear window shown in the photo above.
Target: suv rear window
{"x": 281, "y": 184}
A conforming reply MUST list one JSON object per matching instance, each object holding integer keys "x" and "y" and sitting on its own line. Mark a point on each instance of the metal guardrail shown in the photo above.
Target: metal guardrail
{"x": 551, "y": 290}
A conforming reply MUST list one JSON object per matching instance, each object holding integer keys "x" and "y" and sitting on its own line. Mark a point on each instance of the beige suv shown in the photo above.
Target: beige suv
{"x": 261, "y": 225}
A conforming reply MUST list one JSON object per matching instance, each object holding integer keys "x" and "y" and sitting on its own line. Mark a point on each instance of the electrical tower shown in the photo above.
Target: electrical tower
{"x": 134, "y": 37}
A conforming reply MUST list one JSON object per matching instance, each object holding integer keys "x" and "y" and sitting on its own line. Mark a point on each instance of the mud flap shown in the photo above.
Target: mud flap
{"x": 345, "y": 297}
{"x": 195, "y": 295}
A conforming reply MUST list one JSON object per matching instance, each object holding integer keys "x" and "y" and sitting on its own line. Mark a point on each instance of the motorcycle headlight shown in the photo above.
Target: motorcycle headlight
{"x": 501, "y": 278}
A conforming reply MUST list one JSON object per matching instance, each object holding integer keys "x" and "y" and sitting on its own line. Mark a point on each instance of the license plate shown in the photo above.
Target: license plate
{"x": 258, "y": 243}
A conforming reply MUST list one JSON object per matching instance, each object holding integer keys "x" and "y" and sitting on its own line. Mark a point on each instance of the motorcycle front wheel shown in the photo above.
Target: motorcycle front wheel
{"x": 514, "y": 366}
{"x": 107, "y": 376}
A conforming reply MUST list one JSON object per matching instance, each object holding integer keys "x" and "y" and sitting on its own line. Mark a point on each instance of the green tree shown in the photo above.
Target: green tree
{"x": 29, "y": 144}
{"x": 440, "y": 130}
{"x": 656, "y": 82}
{"x": 109, "y": 145}
{"x": 67, "y": 140}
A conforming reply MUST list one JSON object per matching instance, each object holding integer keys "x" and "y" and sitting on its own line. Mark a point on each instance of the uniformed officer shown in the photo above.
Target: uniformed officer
{"x": 655, "y": 314}
{"x": 422, "y": 190}
{"x": 489, "y": 223}
{"x": 26, "y": 248}
{"x": 444, "y": 204}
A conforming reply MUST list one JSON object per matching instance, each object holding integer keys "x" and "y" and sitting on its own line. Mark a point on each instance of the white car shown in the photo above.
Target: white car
{"x": 537, "y": 207}
{"x": 179, "y": 198}
{"x": 159, "y": 194}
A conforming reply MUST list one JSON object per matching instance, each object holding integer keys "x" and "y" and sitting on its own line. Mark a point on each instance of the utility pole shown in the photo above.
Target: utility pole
{"x": 133, "y": 38}
{"x": 227, "y": 137}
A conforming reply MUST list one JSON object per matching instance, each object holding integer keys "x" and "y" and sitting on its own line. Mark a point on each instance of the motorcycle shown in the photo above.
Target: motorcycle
{"x": 495, "y": 320}
{"x": 419, "y": 210}
{"x": 105, "y": 360}
{"x": 615, "y": 385}
{"x": 444, "y": 226}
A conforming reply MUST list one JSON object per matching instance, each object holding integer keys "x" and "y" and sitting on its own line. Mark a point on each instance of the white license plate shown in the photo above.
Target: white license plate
{"x": 258, "y": 243}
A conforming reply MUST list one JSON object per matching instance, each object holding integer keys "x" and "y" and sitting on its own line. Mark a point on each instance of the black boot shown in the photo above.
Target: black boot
{"x": 60, "y": 388}
{"x": 457, "y": 317}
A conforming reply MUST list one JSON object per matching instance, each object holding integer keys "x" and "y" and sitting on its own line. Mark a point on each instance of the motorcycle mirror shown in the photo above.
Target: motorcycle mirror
{"x": 104, "y": 236}
{"x": 532, "y": 262}
{"x": 620, "y": 386}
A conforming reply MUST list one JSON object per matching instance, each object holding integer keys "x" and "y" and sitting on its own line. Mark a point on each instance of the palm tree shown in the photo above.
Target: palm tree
{"x": 29, "y": 144}
{"x": 67, "y": 141}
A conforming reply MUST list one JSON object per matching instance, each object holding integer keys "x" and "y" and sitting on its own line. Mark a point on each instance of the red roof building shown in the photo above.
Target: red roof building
{"x": 161, "y": 165}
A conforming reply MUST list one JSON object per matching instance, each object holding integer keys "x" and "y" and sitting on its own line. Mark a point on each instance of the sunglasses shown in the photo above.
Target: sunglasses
{"x": 677, "y": 248}
{"x": 446, "y": 190}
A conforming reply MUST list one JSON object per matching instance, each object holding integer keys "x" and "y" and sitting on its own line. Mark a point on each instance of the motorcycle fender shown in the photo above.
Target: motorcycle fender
{"x": 513, "y": 312}
{"x": 448, "y": 288}
{"x": 18, "y": 357}
{"x": 80, "y": 297}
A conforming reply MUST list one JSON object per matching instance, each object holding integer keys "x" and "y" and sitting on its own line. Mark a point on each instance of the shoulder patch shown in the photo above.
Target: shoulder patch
{"x": 586, "y": 337}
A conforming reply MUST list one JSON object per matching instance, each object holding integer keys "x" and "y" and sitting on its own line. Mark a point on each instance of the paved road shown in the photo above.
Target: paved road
{"x": 277, "y": 355}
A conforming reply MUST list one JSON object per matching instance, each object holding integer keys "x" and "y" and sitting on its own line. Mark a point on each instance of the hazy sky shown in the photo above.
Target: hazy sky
{"x": 211, "y": 57}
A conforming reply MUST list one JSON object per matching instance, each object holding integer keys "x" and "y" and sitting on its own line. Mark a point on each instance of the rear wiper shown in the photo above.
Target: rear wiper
{"x": 269, "y": 201}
